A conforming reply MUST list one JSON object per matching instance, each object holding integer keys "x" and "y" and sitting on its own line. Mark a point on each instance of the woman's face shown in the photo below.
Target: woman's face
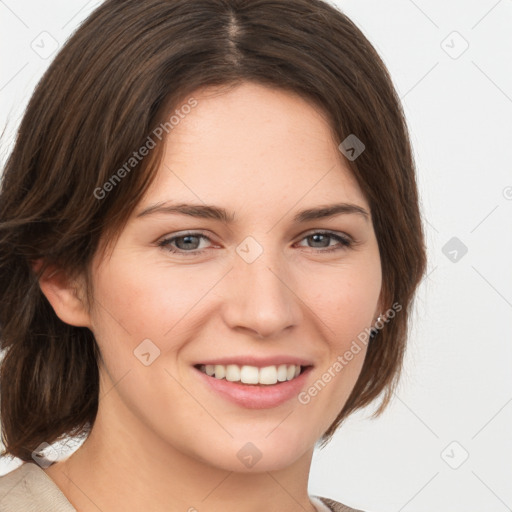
{"x": 184, "y": 293}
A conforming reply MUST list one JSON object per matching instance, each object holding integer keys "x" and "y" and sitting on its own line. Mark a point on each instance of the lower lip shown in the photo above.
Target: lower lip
{"x": 256, "y": 396}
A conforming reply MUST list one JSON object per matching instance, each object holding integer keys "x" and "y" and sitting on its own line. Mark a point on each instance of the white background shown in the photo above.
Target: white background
{"x": 457, "y": 384}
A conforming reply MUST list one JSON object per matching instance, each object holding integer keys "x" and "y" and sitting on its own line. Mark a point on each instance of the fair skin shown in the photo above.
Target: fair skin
{"x": 165, "y": 440}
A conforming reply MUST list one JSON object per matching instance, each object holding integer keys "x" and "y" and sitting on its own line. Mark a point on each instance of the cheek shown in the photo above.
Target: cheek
{"x": 165, "y": 303}
{"x": 170, "y": 305}
{"x": 346, "y": 298}
{"x": 345, "y": 311}
{"x": 152, "y": 301}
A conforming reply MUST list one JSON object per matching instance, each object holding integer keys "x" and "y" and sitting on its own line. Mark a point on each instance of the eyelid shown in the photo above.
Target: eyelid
{"x": 206, "y": 234}
{"x": 181, "y": 234}
{"x": 331, "y": 232}
{"x": 344, "y": 239}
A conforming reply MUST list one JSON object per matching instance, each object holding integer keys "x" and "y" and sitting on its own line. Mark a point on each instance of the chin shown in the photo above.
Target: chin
{"x": 254, "y": 454}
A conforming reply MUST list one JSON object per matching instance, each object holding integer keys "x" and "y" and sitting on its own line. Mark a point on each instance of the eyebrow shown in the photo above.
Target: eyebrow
{"x": 218, "y": 213}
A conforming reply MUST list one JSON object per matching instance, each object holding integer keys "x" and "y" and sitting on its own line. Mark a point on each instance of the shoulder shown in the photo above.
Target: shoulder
{"x": 335, "y": 506}
{"x": 30, "y": 489}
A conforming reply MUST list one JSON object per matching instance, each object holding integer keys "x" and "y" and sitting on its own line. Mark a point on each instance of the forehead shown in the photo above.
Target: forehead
{"x": 253, "y": 145}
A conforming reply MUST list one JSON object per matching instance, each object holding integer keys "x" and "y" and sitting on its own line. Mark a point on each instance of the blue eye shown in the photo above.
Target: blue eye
{"x": 184, "y": 243}
{"x": 188, "y": 244}
{"x": 318, "y": 236}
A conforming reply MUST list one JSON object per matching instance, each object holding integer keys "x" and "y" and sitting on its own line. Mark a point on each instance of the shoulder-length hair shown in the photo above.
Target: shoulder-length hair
{"x": 127, "y": 67}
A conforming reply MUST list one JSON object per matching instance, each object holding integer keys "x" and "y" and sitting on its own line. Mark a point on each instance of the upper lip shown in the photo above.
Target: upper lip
{"x": 260, "y": 362}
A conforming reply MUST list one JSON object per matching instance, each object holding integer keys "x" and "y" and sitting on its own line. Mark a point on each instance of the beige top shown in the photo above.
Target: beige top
{"x": 29, "y": 489}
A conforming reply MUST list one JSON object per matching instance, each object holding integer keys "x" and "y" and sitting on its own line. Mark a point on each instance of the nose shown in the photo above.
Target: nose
{"x": 260, "y": 298}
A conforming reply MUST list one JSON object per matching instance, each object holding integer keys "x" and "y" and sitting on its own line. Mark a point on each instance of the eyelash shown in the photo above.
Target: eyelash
{"x": 346, "y": 243}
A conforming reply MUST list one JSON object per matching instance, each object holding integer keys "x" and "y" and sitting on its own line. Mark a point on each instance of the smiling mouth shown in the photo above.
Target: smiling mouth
{"x": 253, "y": 375}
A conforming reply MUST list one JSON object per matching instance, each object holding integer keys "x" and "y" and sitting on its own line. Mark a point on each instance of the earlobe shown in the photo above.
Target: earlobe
{"x": 63, "y": 295}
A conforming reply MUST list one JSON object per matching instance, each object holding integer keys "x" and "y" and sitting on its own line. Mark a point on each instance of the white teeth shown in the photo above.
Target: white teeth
{"x": 220, "y": 371}
{"x": 268, "y": 375}
{"x": 246, "y": 374}
{"x": 281, "y": 372}
{"x": 249, "y": 375}
{"x": 233, "y": 372}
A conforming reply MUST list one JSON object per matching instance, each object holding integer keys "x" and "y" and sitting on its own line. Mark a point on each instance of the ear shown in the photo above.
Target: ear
{"x": 63, "y": 294}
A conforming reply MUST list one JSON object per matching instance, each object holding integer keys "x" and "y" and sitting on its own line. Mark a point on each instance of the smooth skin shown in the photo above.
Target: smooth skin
{"x": 163, "y": 440}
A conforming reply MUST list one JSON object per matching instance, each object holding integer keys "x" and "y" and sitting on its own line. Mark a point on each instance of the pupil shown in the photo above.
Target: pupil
{"x": 187, "y": 240}
{"x": 317, "y": 236}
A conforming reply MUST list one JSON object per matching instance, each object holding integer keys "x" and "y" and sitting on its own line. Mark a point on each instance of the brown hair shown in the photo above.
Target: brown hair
{"x": 116, "y": 79}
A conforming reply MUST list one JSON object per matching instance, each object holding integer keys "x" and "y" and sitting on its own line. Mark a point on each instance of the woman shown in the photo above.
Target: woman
{"x": 210, "y": 241}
